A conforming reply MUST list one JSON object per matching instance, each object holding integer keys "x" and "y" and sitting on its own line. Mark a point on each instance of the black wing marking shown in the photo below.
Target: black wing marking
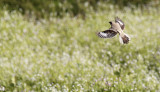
{"x": 121, "y": 23}
{"x": 107, "y": 34}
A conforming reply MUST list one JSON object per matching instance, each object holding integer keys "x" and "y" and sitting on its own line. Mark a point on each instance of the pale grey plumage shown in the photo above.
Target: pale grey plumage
{"x": 116, "y": 27}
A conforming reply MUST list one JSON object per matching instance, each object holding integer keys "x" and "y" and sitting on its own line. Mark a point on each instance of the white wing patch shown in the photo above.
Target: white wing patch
{"x": 120, "y": 22}
{"x": 106, "y": 34}
{"x": 103, "y": 34}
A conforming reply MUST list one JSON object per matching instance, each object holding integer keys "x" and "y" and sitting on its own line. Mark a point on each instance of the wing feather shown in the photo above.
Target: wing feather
{"x": 107, "y": 34}
{"x": 121, "y": 23}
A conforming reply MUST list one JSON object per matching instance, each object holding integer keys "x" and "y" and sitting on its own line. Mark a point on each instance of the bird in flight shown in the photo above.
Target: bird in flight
{"x": 117, "y": 27}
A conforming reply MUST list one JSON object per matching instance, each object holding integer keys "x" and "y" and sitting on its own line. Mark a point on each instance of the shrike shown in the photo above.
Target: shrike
{"x": 117, "y": 26}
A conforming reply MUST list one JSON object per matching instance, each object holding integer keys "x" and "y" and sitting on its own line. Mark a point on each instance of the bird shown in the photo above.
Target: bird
{"x": 117, "y": 27}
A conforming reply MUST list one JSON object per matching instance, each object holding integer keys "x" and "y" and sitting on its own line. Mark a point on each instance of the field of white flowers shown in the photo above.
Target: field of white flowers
{"x": 64, "y": 54}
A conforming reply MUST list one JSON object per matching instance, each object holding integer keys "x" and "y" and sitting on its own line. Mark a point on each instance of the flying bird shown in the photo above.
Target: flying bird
{"x": 117, "y": 27}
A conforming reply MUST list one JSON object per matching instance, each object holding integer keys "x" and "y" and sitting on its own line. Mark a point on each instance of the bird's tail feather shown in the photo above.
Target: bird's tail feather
{"x": 124, "y": 39}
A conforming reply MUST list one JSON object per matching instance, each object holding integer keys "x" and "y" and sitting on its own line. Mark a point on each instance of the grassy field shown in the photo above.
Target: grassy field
{"x": 64, "y": 54}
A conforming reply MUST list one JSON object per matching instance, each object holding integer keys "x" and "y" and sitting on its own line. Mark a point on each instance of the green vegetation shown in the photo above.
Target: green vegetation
{"x": 64, "y": 54}
{"x": 59, "y": 8}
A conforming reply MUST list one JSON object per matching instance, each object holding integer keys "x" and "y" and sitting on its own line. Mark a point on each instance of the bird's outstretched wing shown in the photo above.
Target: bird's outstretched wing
{"x": 107, "y": 33}
{"x": 121, "y": 23}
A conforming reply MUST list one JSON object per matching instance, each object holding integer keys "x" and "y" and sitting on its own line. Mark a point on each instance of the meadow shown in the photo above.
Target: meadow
{"x": 65, "y": 55}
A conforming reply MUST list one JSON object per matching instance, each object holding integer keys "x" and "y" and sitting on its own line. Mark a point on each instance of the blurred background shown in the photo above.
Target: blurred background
{"x": 51, "y": 46}
{"x": 42, "y": 8}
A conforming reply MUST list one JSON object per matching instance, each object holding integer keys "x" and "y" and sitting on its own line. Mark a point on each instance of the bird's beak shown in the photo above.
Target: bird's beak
{"x": 110, "y": 22}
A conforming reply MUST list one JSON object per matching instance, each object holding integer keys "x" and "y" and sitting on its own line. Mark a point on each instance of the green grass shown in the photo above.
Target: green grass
{"x": 64, "y": 54}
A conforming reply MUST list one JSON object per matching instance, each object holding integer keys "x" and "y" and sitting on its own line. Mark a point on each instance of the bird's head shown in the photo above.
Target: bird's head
{"x": 110, "y": 22}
